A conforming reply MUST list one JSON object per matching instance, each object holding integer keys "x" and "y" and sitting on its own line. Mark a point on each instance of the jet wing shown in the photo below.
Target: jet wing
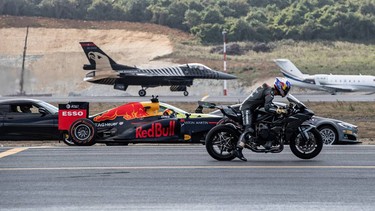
{"x": 339, "y": 88}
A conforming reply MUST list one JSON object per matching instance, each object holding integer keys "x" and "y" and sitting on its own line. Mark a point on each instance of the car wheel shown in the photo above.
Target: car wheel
{"x": 329, "y": 134}
{"x": 83, "y": 132}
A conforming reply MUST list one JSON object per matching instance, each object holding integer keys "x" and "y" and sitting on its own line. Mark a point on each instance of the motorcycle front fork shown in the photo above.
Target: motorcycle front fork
{"x": 304, "y": 134}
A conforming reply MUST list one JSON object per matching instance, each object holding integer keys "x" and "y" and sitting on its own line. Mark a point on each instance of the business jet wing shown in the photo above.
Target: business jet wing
{"x": 339, "y": 88}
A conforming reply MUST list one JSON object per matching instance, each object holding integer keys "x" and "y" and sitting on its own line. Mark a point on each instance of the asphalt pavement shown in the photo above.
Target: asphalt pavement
{"x": 184, "y": 177}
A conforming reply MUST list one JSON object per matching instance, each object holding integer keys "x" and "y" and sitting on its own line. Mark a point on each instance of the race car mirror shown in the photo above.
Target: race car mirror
{"x": 204, "y": 104}
{"x": 70, "y": 112}
{"x": 155, "y": 99}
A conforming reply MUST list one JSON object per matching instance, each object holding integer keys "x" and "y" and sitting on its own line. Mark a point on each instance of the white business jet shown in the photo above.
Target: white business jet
{"x": 326, "y": 82}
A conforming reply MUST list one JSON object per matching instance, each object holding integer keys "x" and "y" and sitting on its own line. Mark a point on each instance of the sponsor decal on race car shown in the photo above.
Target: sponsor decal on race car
{"x": 128, "y": 111}
{"x": 67, "y": 117}
{"x": 108, "y": 124}
{"x": 70, "y": 112}
{"x": 199, "y": 123}
{"x": 156, "y": 130}
{"x": 79, "y": 113}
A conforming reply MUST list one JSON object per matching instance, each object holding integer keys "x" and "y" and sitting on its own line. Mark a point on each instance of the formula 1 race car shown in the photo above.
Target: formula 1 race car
{"x": 135, "y": 122}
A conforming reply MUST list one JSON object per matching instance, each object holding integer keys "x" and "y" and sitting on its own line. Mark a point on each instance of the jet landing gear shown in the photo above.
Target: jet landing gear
{"x": 183, "y": 89}
{"x": 142, "y": 92}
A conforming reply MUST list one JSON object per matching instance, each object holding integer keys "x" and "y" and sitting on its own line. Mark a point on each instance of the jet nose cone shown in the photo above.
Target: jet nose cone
{"x": 222, "y": 75}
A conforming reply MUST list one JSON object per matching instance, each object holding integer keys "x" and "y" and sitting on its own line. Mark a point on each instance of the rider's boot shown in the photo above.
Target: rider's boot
{"x": 239, "y": 147}
{"x": 238, "y": 153}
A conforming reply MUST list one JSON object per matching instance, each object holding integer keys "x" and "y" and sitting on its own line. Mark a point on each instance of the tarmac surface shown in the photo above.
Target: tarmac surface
{"x": 184, "y": 177}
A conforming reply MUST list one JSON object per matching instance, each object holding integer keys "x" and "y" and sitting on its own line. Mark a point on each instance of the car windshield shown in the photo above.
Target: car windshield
{"x": 51, "y": 108}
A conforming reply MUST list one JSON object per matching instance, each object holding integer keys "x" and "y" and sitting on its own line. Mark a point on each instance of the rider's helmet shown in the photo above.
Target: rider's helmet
{"x": 282, "y": 86}
{"x": 168, "y": 112}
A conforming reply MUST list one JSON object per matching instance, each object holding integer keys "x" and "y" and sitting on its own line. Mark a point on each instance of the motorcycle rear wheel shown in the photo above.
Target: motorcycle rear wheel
{"x": 311, "y": 148}
{"x": 221, "y": 141}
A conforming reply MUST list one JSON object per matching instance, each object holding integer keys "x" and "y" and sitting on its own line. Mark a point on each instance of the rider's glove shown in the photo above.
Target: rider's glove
{"x": 281, "y": 111}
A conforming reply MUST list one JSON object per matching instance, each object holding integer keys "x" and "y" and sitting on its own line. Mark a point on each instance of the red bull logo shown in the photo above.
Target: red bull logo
{"x": 127, "y": 111}
{"x": 156, "y": 130}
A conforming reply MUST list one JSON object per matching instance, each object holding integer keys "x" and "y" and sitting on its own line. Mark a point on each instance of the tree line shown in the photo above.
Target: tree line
{"x": 244, "y": 20}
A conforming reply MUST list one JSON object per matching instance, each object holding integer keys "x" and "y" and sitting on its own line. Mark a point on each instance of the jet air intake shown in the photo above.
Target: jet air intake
{"x": 178, "y": 88}
{"x": 120, "y": 86}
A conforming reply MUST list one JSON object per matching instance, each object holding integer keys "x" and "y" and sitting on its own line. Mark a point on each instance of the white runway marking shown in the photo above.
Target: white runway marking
{"x": 183, "y": 167}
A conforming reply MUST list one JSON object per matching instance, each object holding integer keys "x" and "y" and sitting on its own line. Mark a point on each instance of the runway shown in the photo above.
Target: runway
{"x": 184, "y": 177}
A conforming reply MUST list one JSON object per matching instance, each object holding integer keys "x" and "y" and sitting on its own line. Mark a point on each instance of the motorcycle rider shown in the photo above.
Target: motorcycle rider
{"x": 263, "y": 95}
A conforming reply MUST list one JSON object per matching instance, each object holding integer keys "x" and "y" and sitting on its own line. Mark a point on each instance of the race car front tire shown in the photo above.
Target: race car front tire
{"x": 83, "y": 132}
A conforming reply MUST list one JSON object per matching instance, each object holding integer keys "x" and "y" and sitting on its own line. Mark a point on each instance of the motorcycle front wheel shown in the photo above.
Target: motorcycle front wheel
{"x": 306, "y": 149}
{"x": 221, "y": 141}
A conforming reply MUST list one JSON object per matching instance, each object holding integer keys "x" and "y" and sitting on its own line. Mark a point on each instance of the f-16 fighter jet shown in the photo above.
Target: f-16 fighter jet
{"x": 104, "y": 70}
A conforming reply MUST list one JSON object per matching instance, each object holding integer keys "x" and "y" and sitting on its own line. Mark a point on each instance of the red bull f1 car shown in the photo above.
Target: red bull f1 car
{"x": 135, "y": 122}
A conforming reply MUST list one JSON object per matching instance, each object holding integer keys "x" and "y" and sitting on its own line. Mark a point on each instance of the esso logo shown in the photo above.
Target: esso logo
{"x": 72, "y": 113}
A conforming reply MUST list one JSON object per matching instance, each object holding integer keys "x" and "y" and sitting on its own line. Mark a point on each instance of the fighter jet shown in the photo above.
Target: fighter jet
{"x": 104, "y": 70}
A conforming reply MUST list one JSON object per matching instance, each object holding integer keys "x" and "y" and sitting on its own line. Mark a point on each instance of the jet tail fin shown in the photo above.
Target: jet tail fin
{"x": 289, "y": 69}
{"x": 98, "y": 59}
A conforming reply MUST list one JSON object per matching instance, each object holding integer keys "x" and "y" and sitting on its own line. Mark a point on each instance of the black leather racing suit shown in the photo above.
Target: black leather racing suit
{"x": 262, "y": 96}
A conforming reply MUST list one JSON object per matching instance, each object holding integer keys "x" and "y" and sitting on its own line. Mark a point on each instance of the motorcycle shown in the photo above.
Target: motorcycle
{"x": 304, "y": 139}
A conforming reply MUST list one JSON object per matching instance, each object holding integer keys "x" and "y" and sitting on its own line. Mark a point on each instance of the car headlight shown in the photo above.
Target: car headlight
{"x": 344, "y": 125}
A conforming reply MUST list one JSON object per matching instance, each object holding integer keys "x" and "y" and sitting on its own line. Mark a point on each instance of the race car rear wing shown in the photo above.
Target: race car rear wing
{"x": 70, "y": 112}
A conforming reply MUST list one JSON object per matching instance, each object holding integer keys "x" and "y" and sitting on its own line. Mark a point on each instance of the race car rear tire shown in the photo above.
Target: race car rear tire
{"x": 83, "y": 132}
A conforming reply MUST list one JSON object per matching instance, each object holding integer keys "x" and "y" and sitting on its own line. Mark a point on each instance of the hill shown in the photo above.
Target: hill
{"x": 250, "y": 20}
{"x": 54, "y": 57}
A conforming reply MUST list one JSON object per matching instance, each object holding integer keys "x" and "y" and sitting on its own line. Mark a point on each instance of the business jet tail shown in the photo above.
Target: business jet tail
{"x": 289, "y": 70}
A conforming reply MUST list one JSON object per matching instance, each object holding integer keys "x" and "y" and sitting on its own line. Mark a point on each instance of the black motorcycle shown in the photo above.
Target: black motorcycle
{"x": 304, "y": 139}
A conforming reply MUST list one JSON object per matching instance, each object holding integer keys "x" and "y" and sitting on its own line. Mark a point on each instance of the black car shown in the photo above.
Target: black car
{"x": 28, "y": 119}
